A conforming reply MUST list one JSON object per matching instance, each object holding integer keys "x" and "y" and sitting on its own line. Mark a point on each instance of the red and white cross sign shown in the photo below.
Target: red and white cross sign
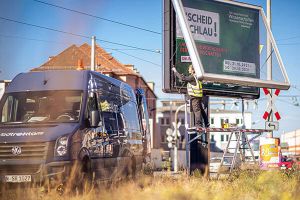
{"x": 271, "y": 105}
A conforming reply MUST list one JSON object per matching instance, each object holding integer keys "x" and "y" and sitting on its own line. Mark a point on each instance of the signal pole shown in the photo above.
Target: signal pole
{"x": 269, "y": 56}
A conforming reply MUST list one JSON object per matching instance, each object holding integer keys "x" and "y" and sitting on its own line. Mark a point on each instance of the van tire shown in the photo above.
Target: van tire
{"x": 85, "y": 177}
{"x": 81, "y": 178}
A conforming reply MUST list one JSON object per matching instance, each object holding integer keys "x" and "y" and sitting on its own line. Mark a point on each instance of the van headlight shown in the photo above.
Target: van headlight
{"x": 61, "y": 146}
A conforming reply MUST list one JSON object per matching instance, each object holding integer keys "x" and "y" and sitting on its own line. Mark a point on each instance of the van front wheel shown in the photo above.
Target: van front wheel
{"x": 81, "y": 179}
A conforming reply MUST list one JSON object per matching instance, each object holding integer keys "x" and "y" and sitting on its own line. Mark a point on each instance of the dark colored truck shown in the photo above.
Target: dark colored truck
{"x": 55, "y": 121}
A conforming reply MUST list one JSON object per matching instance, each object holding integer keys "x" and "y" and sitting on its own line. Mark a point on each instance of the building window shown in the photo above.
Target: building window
{"x": 222, "y": 138}
{"x": 167, "y": 121}
{"x": 212, "y": 138}
{"x": 163, "y": 138}
{"x": 237, "y": 121}
{"x": 162, "y": 121}
{"x": 212, "y": 120}
{"x": 223, "y": 121}
{"x": 227, "y": 137}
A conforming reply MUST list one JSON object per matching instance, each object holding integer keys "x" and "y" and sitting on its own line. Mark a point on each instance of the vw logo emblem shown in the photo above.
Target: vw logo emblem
{"x": 16, "y": 150}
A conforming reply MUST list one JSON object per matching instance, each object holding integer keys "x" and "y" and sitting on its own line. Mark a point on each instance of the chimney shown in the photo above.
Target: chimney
{"x": 151, "y": 85}
{"x": 129, "y": 67}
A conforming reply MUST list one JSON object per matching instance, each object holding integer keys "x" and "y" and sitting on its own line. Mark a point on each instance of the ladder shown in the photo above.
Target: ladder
{"x": 242, "y": 144}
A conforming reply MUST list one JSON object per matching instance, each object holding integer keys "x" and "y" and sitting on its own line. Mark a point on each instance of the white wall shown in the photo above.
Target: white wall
{"x": 293, "y": 140}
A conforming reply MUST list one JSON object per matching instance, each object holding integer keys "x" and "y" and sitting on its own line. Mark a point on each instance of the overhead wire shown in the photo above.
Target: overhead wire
{"x": 97, "y": 17}
{"x": 137, "y": 58}
{"x": 32, "y": 39}
{"x": 75, "y": 34}
{"x": 63, "y": 43}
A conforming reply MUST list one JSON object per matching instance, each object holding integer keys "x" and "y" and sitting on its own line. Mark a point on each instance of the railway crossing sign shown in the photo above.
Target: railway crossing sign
{"x": 176, "y": 132}
{"x": 271, "y": 106}
{"x": 273, "y": 126}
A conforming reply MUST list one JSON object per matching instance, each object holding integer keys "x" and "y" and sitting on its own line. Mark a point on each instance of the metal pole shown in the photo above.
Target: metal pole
{"x": 176, "y": 141}
{"x": 93, "y": 53}
{"x": 269, "y": 61}
{"x": 187, "y": 146}
{"x": 243, "y": 133}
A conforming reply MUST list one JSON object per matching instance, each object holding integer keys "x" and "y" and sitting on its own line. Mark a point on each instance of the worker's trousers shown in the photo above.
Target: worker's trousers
{"x": 198, "y": 109}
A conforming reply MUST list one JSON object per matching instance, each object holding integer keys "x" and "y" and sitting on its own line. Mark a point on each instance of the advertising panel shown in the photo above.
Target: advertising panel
{"x": 269, "y": 156}
{"x": 227, "y": 40}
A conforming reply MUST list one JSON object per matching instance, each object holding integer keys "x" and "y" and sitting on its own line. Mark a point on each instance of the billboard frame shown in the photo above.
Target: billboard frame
{"x": 169, "y": 60}
{"x": 245, "y": 81}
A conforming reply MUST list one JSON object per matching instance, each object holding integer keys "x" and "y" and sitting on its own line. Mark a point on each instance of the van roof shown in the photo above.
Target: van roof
{"x": 57, "y": 80}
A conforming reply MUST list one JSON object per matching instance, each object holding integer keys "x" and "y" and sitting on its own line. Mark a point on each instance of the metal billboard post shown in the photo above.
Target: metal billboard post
{"x": 269, "y": 61}
{"x": 176, "y": 139}
{"x": 187, "y": 146}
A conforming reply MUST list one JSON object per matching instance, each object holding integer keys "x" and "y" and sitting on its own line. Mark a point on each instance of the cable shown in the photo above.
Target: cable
{"x": 97, "y": 17}
{"x": 74, "y": 34}
{"x": 125, "y": 45}
{"x": 290, "y": 38}
{"x": 47, "y": 28}
{"x": 63, "y": 43}
{"x": 32, "y": 39}
{"x": 295, "y": 87}
{"x": 138, "y": 58}
{"x": 288, "y": 44}
{"x": 284, "y": 101}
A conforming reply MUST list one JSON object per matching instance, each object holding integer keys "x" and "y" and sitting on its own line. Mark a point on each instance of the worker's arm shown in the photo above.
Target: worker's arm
{"x": 183, "y": 77}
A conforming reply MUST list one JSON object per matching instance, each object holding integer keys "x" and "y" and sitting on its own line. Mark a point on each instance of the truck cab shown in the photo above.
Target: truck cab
{"x": 52, "y": 121}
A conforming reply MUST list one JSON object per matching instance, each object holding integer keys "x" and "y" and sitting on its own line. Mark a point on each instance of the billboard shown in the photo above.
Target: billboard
{"x": 269, "y": 156}
{"x": 227, "y": 40}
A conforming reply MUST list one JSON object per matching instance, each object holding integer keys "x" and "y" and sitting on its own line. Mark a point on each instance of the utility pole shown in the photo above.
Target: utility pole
{"x": 93, "y": 53}
{"x": 269, "y": 56}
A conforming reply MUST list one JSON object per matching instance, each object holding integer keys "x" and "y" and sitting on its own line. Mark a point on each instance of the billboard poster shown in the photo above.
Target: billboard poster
{"x": 227, "y": 41}
{"x": 269, "y": 156}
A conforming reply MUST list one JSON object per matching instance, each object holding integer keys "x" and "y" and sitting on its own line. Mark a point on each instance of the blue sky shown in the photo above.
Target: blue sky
{"x": 24, "y": 47}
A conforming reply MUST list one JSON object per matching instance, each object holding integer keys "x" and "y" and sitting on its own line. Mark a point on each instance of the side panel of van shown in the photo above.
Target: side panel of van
{"x": 117, "y": 141}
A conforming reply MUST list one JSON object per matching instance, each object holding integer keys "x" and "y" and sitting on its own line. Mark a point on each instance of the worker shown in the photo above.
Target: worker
{"x": 195, "y": 93}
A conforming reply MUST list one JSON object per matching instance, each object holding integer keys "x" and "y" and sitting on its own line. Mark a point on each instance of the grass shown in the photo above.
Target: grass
{"x": 243, "y": 185}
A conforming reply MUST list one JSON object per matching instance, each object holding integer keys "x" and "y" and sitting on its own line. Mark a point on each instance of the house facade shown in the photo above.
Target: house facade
{"x": 292, "y": 141}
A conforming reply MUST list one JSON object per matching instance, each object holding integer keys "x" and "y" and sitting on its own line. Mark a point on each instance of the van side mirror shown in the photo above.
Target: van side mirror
{"x": 95, "y": 118}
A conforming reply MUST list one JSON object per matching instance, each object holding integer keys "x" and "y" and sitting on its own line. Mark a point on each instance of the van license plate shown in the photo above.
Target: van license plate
{"x": 17, "y": 178}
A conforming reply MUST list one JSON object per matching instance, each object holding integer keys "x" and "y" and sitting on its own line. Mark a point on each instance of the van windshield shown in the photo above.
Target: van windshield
{"x": 41, "y": 106}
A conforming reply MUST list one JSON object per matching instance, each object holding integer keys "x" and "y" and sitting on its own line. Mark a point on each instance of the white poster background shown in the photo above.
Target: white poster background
{"x": 204, "y": 25}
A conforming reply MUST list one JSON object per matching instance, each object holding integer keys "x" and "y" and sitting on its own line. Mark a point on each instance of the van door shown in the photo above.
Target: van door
{"x": 100, "y": 142}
